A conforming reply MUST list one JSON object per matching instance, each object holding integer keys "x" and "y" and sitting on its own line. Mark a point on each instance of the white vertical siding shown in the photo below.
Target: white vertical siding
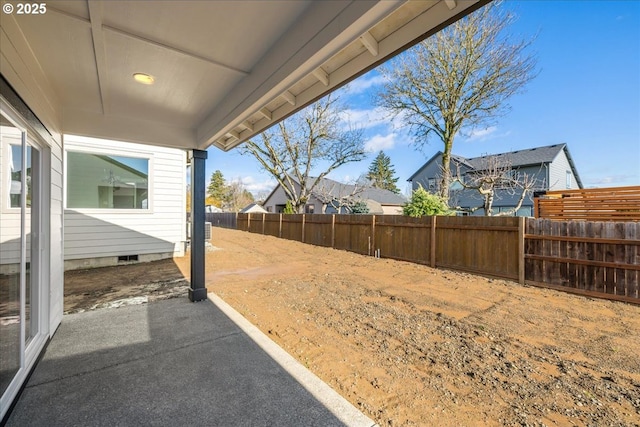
{"x": 56, "y": 232}
{"x": 96, "y": 233}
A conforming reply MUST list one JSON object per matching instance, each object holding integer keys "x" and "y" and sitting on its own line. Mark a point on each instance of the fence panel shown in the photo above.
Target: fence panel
{"x": 256, "y": 223}
{"x": 485, "y": 245}
{"x": 632, "y": 257}
{"x": 593, "y": 204}
{"x": 354, "y": 233}
{"x": 222, "y": 219}
{"x": 243, "y": 222}
{"x": 292, "y": 227}
{"x": 272, "y": 224}
{"x": 597, "y": 258}
{"x": 318, "y": 229}
{"x": 404, "y": 238}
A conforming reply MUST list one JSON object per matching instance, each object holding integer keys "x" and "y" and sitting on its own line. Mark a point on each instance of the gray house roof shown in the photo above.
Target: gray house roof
{"x": 335, "y": 189}
{"x": 518, "y": 158}
{"x": 330, "y": 189}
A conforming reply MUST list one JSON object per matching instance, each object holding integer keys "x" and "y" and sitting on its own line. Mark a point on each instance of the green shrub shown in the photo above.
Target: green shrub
{"x": 423, "y": 203}
{"x": 288, "y": 208}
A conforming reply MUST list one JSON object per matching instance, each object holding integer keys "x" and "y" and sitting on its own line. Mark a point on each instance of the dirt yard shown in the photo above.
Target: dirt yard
{"x": 407, "y": 344}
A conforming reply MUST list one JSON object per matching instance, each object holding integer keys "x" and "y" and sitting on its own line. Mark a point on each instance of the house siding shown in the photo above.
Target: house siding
{"x": 278, "y": 197}
{"x": 99, "y": 236}
{"x": 56, "y": 233}
{"x": 558, "y": 173}
{"x": 430, "y": 170}
{"x": 392, "y": 210}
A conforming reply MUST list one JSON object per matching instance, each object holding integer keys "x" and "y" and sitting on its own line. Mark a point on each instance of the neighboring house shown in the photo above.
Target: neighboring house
{"x": 124, "y": 202}
{"x": 329, "y": 196}
{"x": 551, "y": 166}
{"x": 253, "y": 208}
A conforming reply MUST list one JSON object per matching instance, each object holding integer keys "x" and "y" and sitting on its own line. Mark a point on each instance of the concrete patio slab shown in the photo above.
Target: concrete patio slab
{"x": 174, "y": 362}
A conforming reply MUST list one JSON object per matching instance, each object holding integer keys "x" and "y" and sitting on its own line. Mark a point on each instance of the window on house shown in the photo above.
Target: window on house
{"x": 432, "y": 183}
{"x": 309, "y": 209}
{"x": 569, "y": 179}
{"x": 98, "y": 181}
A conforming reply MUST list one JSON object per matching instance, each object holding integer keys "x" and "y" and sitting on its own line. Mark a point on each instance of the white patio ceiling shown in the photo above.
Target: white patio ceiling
{"x": 224, "y": 70}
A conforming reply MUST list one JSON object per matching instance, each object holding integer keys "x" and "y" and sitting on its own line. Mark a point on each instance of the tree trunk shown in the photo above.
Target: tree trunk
{"x": 488, "y": 204}
{"x": 446, "y": 169}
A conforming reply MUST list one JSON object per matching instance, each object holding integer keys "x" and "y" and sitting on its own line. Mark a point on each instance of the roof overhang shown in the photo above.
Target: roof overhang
{"x": 224, "y": 70}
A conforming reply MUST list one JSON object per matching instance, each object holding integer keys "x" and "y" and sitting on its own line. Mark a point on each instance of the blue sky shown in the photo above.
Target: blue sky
{"x": 586, "y": 95}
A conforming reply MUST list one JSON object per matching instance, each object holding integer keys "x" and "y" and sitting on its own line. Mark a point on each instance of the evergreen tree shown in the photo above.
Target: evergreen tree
{"x": 217, "y": 189}
{"x": 360, "y": 207}
{"x": 381, "y": 173}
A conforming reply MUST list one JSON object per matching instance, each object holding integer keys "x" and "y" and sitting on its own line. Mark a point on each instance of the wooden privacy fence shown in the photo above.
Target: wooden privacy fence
{"x": 222, "y": 219}
{"x": 491, "y": 246}
{"x": 593, "y": 258}
{"x": 594, "y": 204}
{"x": 599, "y": 259}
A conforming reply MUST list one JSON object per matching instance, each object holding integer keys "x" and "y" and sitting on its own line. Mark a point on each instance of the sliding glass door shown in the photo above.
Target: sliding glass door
{"x": 20, "y": 255}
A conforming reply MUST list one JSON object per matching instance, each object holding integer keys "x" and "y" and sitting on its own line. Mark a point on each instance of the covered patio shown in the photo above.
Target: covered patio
{"x": 174, "y": 363}
{"x": 182, "y": 74}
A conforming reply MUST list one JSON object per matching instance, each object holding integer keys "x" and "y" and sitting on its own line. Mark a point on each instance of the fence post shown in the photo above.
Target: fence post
{"x": 236, "y": 221}
{"x": 373, "y": 235}
{"x": 280, "y": 227}
{"x": 303, "y": 216}
{"x": 333, "y": 230}
{"x": 433, "y": 242}
{"x": 521, "y": 223}
{"x": 249, "y": 222}
{"x": 263, "y": 220}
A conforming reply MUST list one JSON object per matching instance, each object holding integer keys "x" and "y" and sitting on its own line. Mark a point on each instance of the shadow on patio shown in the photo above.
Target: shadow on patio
{"x": 173, "y": 362}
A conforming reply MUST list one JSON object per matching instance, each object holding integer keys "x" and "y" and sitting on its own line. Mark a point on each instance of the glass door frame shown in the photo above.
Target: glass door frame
{"x": 30, "y": 347}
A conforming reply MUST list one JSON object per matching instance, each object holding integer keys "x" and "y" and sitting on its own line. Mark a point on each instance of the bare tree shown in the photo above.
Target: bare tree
{"x": 315, "y": 138}
{"x": 236, "y": 196}
{"x": 457, "y": 79}
{"x": 495, "y": 178}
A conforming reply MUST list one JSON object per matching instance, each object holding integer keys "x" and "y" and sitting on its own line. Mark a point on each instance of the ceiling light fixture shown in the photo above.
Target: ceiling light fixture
{"x": 143, "y": 78}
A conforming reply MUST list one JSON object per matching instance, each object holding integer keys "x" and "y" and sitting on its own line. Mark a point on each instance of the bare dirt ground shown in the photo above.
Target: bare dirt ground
{"x": 410, "y": 345}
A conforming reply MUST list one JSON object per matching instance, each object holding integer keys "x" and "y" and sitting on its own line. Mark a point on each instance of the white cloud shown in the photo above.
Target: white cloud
{"x": 257, "y": 186}
{"x": 481, "y": 134}
{"x": 363, "y": 84}
{"x": 380, "y": 142}
{"x": 365, "y": 118}
{"x": 621, "y": 180}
